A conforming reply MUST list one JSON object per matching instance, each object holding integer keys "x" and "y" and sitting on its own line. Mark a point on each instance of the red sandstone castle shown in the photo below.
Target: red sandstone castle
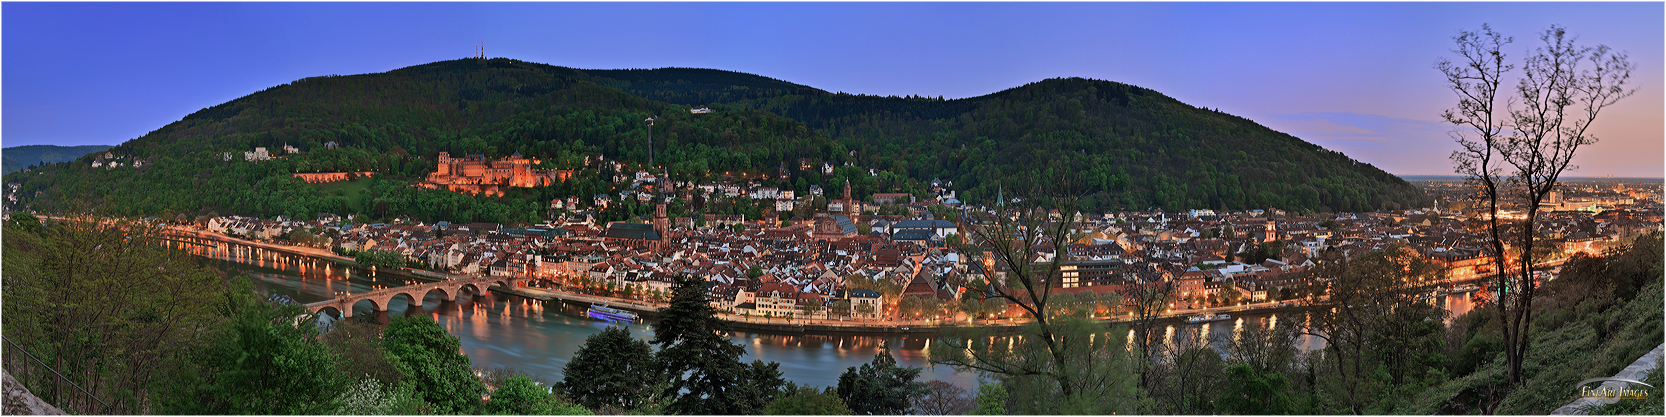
{"x": 474, "y": 174}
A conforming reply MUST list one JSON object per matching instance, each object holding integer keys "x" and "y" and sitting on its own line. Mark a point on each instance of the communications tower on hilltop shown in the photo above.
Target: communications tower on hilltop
{"x": 650, "y": 121}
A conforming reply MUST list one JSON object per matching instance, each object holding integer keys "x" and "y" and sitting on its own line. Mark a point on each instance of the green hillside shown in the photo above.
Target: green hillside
{"x": 1135, "y": 147}
{"x": 19, "y": 157}
{"x": 1140, "y": 148}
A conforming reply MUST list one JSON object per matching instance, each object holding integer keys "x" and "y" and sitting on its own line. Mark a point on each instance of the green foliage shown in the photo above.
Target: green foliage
{"x": 26, "y": 222}
{"x": 1263, "y": 251}
{"x": 1092, "y": 360}
{"x": 992, "y": 400}
{"x": 106, "y": 306}
{"x": 381, "y": 258}
{"x": 880, "y": 386}
{"x": 359, "y": 344}
{"x": 371, "y": 397}
{"x": 1135, "y": 147}
{"x": 1138, "y": 147}
{"x": 518, "y": 395}
{"x": 807, "y": 401}
{"x": 267, "y": 362}
{"x": 707, "y": 376}
{"x": 613, "y": 369}
{"x": 1371, "y": 323}
{"x": 433, "y": 362}
{"x": 1253, "y": 393}
{"x": 1593, "y": 343}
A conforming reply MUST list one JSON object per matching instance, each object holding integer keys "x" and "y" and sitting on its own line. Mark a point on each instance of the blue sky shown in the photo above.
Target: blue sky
{"x": 1353, "y": 77}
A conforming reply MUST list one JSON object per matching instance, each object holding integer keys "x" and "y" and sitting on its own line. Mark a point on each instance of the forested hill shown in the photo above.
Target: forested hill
{"x": 1141, "y": 148}
{"x": 1136, "y": 148}
{"x": 19, "y": 157}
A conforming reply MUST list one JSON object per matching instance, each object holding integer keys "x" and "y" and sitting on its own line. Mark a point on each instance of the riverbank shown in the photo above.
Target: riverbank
{"x": 750, "y": 323}
{"x": 873, "y": 327}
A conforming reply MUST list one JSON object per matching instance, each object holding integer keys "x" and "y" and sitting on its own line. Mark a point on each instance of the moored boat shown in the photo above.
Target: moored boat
{"x": 1205, "y": 318}
{"x": 609, "y": 313}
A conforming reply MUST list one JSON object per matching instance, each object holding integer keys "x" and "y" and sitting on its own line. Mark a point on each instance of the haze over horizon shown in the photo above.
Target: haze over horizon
{"x": 1352, "y": 77}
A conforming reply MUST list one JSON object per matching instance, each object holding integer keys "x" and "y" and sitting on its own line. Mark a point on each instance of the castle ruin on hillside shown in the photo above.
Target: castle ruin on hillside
{"x": 474, "y": 174}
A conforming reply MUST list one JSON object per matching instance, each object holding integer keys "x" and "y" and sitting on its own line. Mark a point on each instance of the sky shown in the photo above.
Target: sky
{"x": 1357, "y": 78}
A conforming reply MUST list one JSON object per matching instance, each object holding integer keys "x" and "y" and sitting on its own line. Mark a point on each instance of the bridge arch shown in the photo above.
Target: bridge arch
{"x": 375, "y": 304}
{"x": 413, "y": 296}
{"x": 447, "y": 293}
{"x": 476, "y": 288}
{"x": 338, "y": 314}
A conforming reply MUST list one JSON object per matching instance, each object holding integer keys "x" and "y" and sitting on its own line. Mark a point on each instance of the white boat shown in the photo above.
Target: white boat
{"x": 608, "y": 313}
{"x": 1205, "y": 318}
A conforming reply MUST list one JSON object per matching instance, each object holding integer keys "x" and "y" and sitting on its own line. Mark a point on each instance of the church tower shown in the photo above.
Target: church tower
{"x": 1272, "y": 232}
{"x": 662, "y": 224}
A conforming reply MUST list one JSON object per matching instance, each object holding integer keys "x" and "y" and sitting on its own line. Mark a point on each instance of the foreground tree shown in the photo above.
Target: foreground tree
{"x": 1097, "y": 363}
{"x": 433, "y": 362}
{"x": 359, "y": 344}
{"x": 1372, "y": 323}
{"x": 807, "y": 401}
{"x": 1064, "y": 364}
{"x": 944, "y": 399}
{"x": 1251, "y": 392}
{"x": 268, "y": 361}
{"x": 611, "y": 369}
{"x": 880, "y": 386}
{"x": 106, "y": 305}
{"x": 1013, "y": 236}
{"x": 1146, "y": 299}
{"x": 1517, "y": 154}
{"x": 518, "y": 395}
{"x": 991, "y": 399}
{"x": 702, "y": 364}
{"x": 1189, "y": 374}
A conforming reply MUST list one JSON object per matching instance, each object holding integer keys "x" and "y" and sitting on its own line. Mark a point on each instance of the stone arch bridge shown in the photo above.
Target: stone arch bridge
{"x": 448, "y": 290}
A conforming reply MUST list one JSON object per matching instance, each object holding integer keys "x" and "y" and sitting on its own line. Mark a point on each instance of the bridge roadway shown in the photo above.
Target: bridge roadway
{"x": 449, "y": 289}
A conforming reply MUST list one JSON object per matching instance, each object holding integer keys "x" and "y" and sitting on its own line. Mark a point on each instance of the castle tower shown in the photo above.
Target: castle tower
{"x": 445, "y": 163}
{"x": 847, "y": 189}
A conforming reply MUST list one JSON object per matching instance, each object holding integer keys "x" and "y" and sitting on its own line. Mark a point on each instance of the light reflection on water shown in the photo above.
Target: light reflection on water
{"x": 541, "y": 336}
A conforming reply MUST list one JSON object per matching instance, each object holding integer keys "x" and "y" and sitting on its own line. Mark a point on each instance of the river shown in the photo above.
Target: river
{"x": 539, "y": 337}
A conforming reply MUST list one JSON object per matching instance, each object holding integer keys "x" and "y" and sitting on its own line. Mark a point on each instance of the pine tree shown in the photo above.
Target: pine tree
{"x": 707, "y": 376}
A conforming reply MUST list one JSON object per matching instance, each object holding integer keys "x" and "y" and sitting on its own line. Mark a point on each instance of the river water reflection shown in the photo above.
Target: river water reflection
{"x": 539, "y": 337}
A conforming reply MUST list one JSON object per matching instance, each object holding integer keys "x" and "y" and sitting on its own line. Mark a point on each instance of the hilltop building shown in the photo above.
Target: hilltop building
{"x": 474, "y": 174}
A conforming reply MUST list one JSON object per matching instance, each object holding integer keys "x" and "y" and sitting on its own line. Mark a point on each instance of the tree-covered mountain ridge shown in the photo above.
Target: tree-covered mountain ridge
{"x": 17, "y": 158}
{"x": 1139, "y": 148}
{"x": 1135, "y": 148}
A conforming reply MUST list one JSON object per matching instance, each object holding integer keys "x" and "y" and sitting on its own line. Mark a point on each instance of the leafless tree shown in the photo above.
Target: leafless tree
{"x": 945, "y": 399}
{"x": 1517, "y": 151}
{"x": 1189, "y": 372}
{"x": 1146, "y": 297}
{"x": 1014, "y": 235}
